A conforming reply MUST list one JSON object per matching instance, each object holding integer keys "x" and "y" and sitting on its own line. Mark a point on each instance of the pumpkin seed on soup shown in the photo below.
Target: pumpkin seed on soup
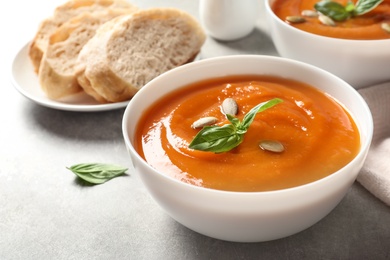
{"x": 386, "y": 27}
{"x": 326, "y": 20}
{"x": 229, "y": 106}
{"x": 295, "y": 19}
{"x": 309, "y": 13}
{"x": 272, "y": 146}
{"x": 204, "y": 121}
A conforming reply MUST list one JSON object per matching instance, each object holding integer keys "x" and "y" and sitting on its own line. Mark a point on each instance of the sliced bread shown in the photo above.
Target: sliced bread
{"x": 63, "y": 14}
{"x": 56, "y": 73}
{"x": 129, "y": 51}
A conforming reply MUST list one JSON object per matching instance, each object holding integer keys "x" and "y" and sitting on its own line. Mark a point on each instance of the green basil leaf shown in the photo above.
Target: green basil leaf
{"x": 216, "y": 139}
{"x": 97, "y": 173}
{"x": 234, "y": 120}
{"x": 249, "y": 117}
{"x": 365, "y": 6}
{"x": 333, "y": 10}
{"x": 350, "y": 7}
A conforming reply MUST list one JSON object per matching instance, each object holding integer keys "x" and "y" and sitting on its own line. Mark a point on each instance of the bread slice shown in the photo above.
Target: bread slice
{"x": 63, "y": 14}
{"x": 129, "y": 51}
{"x": 56, "y": 73}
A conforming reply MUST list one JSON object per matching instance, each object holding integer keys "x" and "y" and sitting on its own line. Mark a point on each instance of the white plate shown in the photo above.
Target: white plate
{"x": 26, "y": 82}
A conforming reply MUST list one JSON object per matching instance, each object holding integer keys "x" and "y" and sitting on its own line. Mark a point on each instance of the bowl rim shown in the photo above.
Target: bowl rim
{"x": 271, "y": 13}
{"x": 311, "y": 185}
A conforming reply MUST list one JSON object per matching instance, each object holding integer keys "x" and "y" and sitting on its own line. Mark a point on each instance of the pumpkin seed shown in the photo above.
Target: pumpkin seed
{"x": 386, "y": 27}
{"x": 309, "y": 13}
{"x": 326, "y": 20}
{"x": 272, "y": 146}
{"x": 229, "y": 106}
{"x": 295, "y": 19}
{"x": 204, "y": 121}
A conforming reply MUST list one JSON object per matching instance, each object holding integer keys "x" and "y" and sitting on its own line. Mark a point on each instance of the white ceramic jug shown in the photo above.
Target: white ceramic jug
{"x": 228, "y": 19}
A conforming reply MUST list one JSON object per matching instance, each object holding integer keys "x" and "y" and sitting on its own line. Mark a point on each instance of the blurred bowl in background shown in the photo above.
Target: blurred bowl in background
{"x": 360, "y": 63}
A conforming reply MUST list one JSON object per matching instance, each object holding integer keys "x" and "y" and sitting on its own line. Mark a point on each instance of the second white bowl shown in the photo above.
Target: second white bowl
{"x": 359, "y": 62}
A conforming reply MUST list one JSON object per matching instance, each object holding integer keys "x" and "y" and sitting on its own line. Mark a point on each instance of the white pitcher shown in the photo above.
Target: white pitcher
{"x": 228, "y": 19}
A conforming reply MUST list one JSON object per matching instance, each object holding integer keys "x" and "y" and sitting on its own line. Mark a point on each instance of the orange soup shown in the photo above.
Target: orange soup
{"x": 364, "y": 27}
{"x": 318, "y": 134}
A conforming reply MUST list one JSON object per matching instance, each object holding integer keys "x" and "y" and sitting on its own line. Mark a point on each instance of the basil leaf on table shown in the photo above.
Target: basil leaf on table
{"x": 219, "y": 139}
{"x": 97, "y": 173}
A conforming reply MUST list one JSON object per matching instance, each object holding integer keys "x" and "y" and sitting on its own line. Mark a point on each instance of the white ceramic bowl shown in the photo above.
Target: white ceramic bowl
{"x": 248, "y": 216}
{"x": 359, "y": 62}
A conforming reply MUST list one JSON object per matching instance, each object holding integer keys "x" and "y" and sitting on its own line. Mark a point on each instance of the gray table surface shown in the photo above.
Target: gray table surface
{"x": 46, "y": 213}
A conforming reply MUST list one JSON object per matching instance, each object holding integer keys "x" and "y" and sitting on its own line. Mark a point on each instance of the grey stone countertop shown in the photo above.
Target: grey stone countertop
{"x": 46, "y": 213}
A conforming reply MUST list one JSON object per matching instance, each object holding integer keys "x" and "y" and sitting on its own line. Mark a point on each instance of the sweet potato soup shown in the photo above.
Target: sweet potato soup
{"x": 318, "y": 135}
{"x": 369, "y": 26}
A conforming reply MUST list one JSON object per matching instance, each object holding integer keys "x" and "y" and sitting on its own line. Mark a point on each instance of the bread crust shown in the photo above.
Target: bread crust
{"x": 64, "y": 13}
{"x": 127, "y": 53}
{"x": 56, "y": 72}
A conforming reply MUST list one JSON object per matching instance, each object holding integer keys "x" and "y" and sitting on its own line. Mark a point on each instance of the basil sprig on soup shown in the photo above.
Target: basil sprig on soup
{"x": 339, "y": 12}
{"x": 219, "y": 139}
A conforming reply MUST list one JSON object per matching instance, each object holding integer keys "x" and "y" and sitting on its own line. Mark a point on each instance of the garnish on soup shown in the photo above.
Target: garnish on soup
{"x": 339, "y": 12}
{"x": 219, "y": 139}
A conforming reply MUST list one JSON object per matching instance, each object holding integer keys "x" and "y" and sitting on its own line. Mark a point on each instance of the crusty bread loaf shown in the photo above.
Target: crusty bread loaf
{"x": 63, "y": 14}
{"x": 56, "y": 72}
{"x": 129, "y": 51}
